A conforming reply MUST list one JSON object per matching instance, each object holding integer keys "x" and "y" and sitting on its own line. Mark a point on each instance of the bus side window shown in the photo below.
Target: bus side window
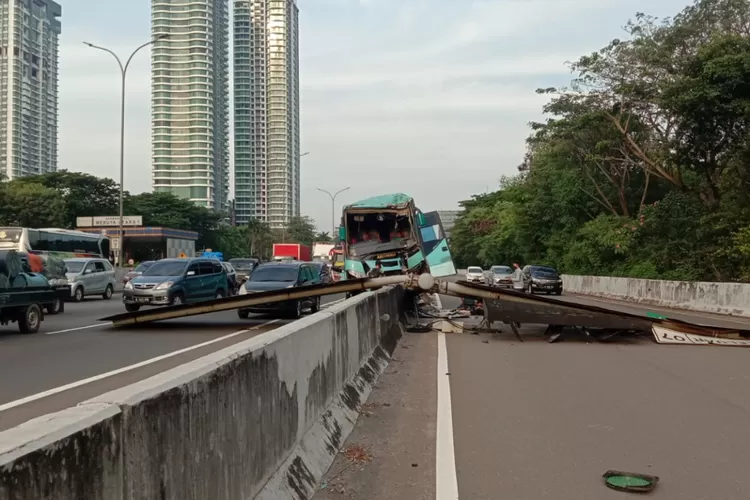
{"x": 42, "y": 241}
{"x": 33, "y": 236}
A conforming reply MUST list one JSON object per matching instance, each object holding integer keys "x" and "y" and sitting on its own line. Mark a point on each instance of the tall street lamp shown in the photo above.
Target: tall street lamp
{"x": 333, "y": 207}
{"x": 123, "y": 72}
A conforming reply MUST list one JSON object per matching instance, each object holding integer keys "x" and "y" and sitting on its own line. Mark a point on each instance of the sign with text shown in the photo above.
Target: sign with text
{"x": 109, "y": 221}
{"x": 667, "y": 336}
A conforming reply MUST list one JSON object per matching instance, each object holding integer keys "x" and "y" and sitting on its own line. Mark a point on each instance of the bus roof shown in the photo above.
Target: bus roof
{"x": 396, "y": 200}
{"x": 70, "y": 231}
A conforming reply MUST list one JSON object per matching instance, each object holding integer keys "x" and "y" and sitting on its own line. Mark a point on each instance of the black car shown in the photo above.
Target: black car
{"x": 233, "y": 283}
{"x": 543, "y": 279}
{"x": 244, "y": 267}
{"x": 324, "y": 272}
{"x": 279, "y": 276}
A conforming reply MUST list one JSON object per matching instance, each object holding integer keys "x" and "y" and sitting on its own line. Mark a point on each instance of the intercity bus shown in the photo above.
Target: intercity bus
{"x": 60, "y": 243}
{"x": 391, "y": 229}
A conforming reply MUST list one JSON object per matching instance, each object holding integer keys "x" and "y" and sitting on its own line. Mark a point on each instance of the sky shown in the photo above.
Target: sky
{"x": 427, "y": 97}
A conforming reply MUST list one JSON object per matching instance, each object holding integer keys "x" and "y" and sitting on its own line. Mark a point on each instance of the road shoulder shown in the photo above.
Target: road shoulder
{"x": 390, "y": 454}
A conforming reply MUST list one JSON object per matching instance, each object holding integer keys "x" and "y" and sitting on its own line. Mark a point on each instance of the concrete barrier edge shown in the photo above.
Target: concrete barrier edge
{"x": 722, "y": 298}
{"x": 318, "y": 369}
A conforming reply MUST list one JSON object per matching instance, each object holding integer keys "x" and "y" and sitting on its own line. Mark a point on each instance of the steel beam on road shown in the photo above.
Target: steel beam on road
{"x": 254, "y": 299}
{"x": 511, "y": 307}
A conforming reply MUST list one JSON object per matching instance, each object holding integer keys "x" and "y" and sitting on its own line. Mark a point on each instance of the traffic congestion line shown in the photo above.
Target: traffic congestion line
{"x": 95, "y": 378}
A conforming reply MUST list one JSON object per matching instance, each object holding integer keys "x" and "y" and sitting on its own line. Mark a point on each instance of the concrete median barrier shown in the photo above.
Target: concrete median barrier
{"x": 261, "y": 419}
{"x": 725, "y": 298}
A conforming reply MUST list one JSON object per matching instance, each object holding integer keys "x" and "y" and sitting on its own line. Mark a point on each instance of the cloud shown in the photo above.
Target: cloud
{"x": 372, "y": 75}
{"x": 429, "y": 97}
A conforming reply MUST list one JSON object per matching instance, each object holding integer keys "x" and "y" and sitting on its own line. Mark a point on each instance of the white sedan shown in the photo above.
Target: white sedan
{"x": 475, "y": 274}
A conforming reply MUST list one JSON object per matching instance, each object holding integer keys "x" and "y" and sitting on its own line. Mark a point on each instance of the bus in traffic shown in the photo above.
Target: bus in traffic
{"x": 392, "y": 230}
{"x": 60, "y": 243}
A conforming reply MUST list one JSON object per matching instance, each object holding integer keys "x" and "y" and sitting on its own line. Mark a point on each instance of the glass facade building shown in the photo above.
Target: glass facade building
{"x": 190, "y": 100}
{"x": 266, "y": 111}
{"x": 29, "y": 31}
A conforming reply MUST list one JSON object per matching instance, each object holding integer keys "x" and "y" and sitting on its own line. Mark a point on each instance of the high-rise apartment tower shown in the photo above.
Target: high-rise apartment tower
{"x": 266, "y": 111}
{"x": 190, "y": 100}
{"x": 29, "y": 30}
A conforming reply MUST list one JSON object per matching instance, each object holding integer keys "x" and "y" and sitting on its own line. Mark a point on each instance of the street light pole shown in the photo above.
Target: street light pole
{"x": 123, "y": 73}
{"x": 333, "y": 207}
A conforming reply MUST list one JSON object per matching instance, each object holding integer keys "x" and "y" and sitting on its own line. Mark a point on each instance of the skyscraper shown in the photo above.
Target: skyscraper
{"x": 190, "y": 100}
{"x": 28, "y": 86}
{"x": 266, "y": 111}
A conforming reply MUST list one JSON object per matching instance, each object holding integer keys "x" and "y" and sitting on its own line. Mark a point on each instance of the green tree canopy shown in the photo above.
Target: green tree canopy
{"x": 642, "y": 166}
{"x": 84, "y": 195}
{"x": 30, "y": 204}
{"x": 301, "y": 230}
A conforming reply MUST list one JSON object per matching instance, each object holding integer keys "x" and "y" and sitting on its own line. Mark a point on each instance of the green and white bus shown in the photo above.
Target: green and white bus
{"x": 391, "y": 229}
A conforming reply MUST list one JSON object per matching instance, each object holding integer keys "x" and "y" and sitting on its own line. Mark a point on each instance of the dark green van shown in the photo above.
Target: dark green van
{"x": 174, "y": 282}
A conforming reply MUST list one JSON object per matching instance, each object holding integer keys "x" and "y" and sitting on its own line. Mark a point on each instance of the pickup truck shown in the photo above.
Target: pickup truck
{"x": 25, "y": 305}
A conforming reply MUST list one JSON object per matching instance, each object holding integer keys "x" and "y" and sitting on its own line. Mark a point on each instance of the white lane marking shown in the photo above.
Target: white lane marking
{"x": 95, "y": 378}
{"x": 446, "y": 485}
{"x": 108, "y": 323}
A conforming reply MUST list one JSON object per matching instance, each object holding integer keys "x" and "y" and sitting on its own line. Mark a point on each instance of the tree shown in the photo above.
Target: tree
{"x": 168, "y": 210}
{"x": 84, "y": 195}
{"x": 301, "y": 230}
{"x": 322, "y": 237}
{"x": 642, "y": 167}
{"x": 29, "y": 204}
{"x": 259, "y": 238}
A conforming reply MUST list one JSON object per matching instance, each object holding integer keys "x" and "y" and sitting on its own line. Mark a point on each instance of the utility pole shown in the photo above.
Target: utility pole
{"x": 123, "y": 73}
{"x": 333, "y": 207}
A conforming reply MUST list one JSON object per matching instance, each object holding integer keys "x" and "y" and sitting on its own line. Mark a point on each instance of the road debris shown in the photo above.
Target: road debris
{"x": 357, "y": 454}
{"x": 630, "y": 482}
{"x": 683, "y": 336}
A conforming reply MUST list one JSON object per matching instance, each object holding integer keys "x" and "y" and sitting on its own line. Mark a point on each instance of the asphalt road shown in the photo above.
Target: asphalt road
{"x": 75, "y": 357}
{"x": 493, "y": 418}
{"x": 539, "y": 420}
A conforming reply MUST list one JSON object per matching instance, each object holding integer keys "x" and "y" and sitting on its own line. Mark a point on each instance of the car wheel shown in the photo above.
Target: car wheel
{"x": 108, "y": 292}
{"x": 242, "y": 314}
{"x": 78, "y": 294}
{"x": 31, "y": 319}
{"x": 131, "y": 308}
{"x": 297, "y": 312}
{"x": 315, "y": 306}
{"x": 177, "y": 300}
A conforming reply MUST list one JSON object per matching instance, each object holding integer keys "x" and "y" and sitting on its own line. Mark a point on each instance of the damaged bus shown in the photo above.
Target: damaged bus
{"x": 392, "y": 230}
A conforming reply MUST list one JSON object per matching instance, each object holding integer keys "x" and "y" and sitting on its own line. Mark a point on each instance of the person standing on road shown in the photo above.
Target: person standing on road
{"x": 517, "y": 278}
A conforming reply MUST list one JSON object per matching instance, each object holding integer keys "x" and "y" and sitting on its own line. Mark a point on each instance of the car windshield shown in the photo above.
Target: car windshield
{"x": 274, "y": 273}
{"x": 475, "y": 270}
{"x": 166, "y": 268}
{"x": 502, "y": 270}
{"x": 544, "y": 272}
{"x": 242, "y": 264}
{"x": 143, "y": 266}
{"x": 73, "y": 266}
